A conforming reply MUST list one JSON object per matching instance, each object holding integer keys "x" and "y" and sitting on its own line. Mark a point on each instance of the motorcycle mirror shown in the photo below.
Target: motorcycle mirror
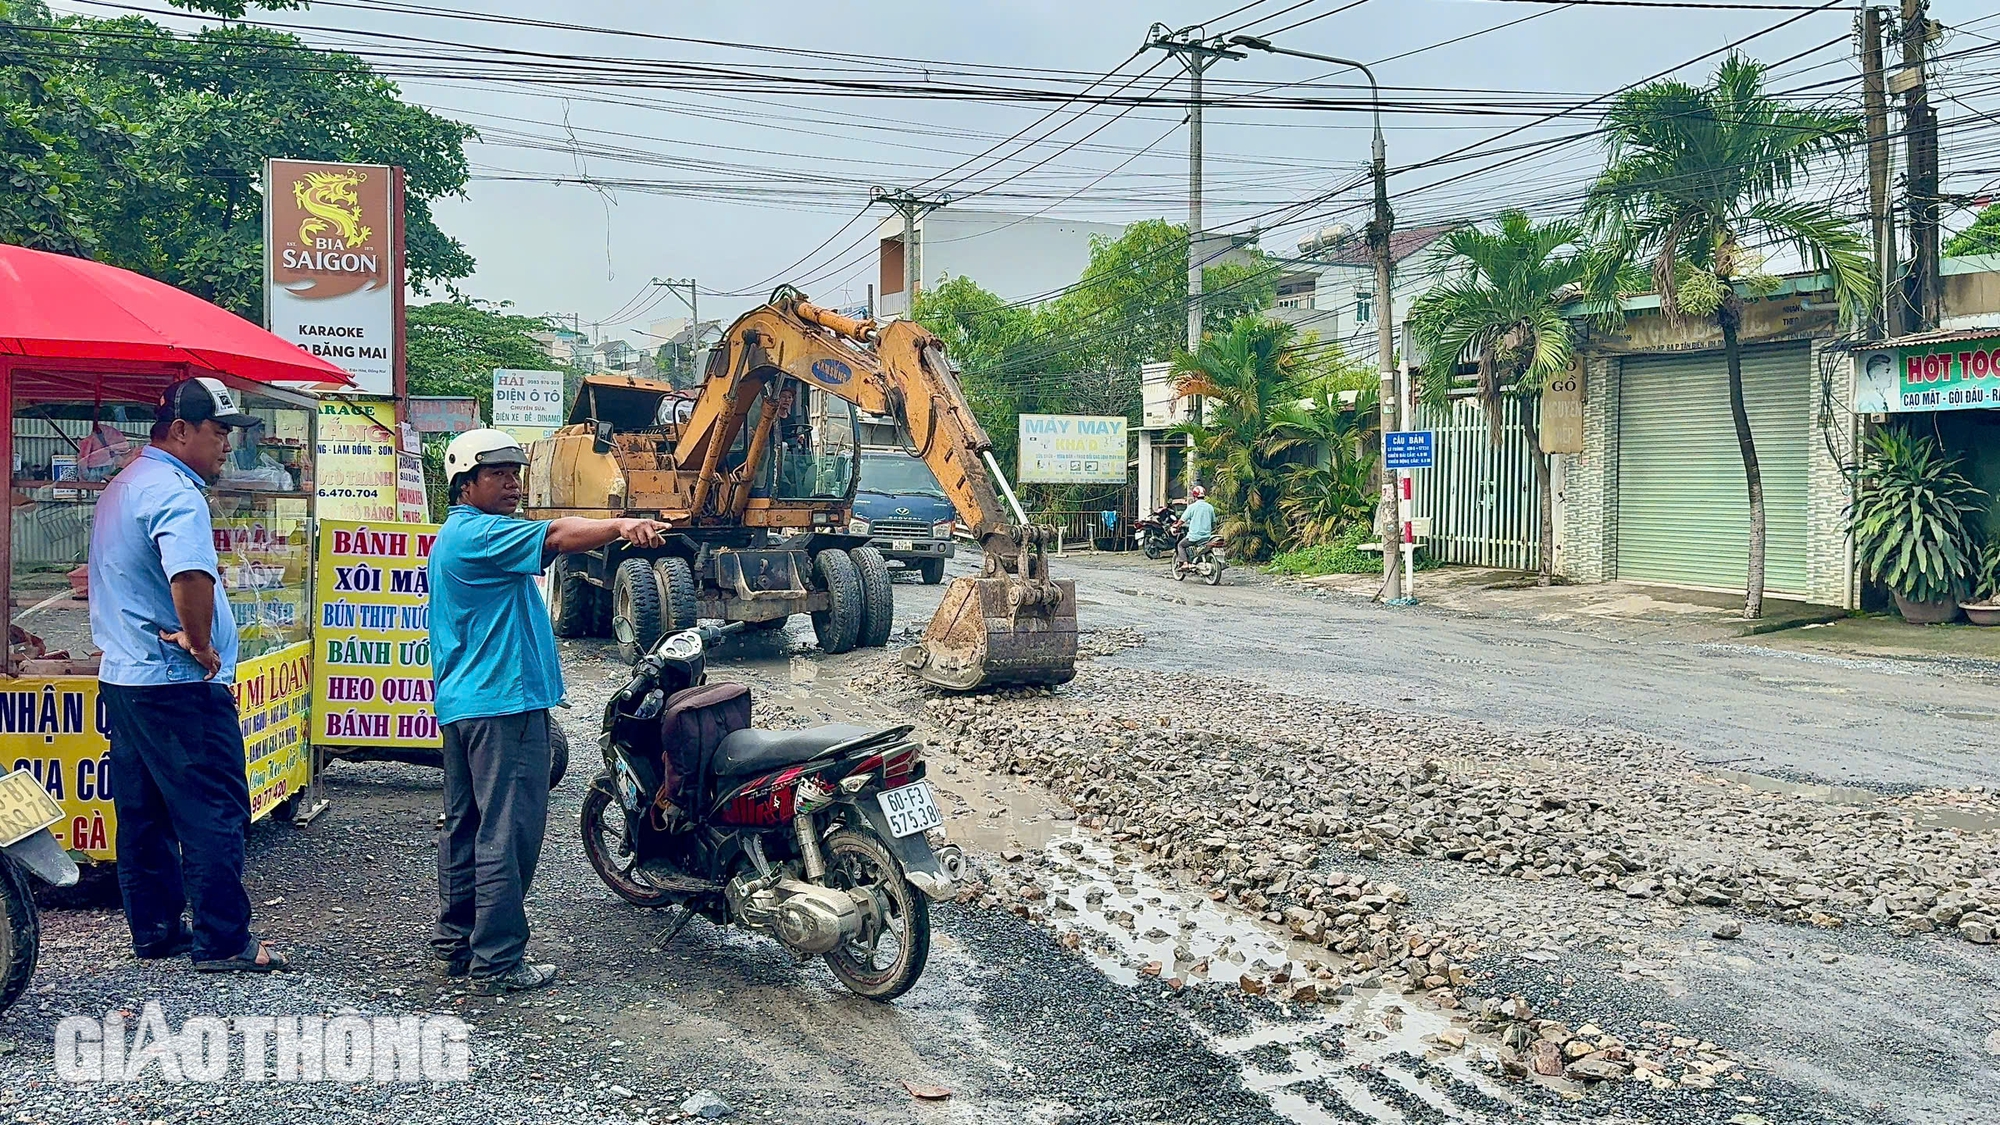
{"x": 621, "y": 628}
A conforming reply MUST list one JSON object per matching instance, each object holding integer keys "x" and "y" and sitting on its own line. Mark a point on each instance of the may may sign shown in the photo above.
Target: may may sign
{"x": 333, "y": 265}
{"x": 1072, "y": 449}
{"x": 372, "y": 644}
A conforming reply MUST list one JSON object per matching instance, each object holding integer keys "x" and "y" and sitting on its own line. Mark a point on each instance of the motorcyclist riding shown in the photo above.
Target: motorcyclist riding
{"x": 1197, "y": 526}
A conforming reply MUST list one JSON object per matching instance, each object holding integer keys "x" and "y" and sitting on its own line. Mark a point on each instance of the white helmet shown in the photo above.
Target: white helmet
{"x": 470, "y": 450}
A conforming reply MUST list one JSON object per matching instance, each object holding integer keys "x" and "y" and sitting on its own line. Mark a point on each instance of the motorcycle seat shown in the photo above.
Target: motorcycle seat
{"x": 751, "y": 750}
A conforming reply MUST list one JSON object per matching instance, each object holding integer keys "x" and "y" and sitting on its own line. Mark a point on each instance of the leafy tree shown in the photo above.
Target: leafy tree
{"x": 1081, "y": 350}
{"x": 1249, "y": 377}
{"x": 1982, "y": 237}
{"x": 1499, "y": 309}
{"x": 1130, "y": 305}
{"x": 454, "y": 347}
{"x": 138, "y": 147}
{"x": 1698, "y": 177}
{"x": 986, "y": 337}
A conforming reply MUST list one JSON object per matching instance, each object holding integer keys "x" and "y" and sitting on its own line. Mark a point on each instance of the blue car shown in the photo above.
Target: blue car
{"x": 899, "y": 505}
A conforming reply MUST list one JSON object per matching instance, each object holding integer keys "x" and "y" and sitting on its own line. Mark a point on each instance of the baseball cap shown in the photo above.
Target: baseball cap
{"x": 200, "y": 400}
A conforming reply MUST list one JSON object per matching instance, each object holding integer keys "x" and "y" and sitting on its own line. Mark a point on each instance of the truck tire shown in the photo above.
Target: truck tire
{"x": 677, "y": 583}
{"x": 878, "y": 597}
{"x": 600, "y": 611}
{"x": 931, "y": 571}
{"x": 572, "y": 600}
{"x": 839, "y": 624}
{"x": 635, "y": 596}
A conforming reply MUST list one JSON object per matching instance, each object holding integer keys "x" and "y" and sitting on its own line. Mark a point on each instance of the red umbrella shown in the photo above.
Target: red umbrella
{"x": 54, "y": 307}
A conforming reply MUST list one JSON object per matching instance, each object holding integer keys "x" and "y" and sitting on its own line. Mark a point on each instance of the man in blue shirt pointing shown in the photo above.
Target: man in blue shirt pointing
{"x": 493, "y": 659}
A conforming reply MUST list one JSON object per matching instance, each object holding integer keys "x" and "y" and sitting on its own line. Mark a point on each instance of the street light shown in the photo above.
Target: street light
{"x": 1393, "y": 579}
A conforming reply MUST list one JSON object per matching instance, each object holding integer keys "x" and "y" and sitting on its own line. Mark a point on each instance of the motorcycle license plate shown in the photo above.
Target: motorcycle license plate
{"x": 910, "y": 809}
{"x": 902, "y": 544}
{"x": 25, "y": 807}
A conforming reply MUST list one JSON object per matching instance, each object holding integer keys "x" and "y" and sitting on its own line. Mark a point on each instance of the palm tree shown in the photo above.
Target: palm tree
{"x": 1324, "y": 498}
{"x": 1499, "y": 308}
{"x": 1245, "y": 376}
{"x": 1698, "y": 179}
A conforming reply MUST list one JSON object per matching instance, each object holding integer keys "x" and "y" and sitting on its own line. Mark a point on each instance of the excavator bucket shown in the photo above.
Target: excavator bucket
{"x": 996, "y": 631}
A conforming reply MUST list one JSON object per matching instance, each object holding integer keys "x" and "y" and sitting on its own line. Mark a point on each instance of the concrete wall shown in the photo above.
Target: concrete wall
{"x": 1829, "y": 567}
{"x": 1587, "y": 550}
{"x": 1330, "y": 312}
{"x": 1015, "y": 257}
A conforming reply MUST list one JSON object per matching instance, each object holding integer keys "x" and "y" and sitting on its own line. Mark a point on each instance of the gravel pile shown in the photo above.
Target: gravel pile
{"x": 1244, "y": 786}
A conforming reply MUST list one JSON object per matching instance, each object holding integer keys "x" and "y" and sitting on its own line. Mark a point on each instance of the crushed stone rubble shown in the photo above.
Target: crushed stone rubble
{"x": 1258, "y": 797}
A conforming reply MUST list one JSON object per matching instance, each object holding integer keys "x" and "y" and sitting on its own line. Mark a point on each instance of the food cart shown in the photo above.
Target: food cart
{"x": 85, "y": 351}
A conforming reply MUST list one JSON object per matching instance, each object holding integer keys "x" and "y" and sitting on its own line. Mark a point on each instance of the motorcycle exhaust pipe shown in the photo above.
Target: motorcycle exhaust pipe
{"x": 952, "y": 861}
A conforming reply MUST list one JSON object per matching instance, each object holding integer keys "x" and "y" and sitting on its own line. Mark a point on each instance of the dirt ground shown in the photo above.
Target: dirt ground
{"x": 1020, "y": 1026}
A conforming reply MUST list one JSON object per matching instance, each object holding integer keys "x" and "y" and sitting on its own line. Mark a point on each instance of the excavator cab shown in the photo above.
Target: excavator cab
{"x": 814, "y": 451}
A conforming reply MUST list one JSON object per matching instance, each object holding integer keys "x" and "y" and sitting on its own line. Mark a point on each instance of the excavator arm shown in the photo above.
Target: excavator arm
{"x": 1011, "y": 624}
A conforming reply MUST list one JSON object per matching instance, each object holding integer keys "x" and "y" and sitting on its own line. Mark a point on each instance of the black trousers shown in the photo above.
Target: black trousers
{"x": 183, "y": 804}
{"x": 496, "y": 811}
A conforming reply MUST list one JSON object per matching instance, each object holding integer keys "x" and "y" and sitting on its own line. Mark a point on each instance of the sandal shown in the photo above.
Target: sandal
{"x": 257, "y": 957}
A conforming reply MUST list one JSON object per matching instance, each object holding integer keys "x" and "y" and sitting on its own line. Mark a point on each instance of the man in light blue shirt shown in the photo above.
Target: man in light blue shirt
{"x": 1198, "y": 523}
{"x": 160, "y": 617}
{"x": 494, "y": 662}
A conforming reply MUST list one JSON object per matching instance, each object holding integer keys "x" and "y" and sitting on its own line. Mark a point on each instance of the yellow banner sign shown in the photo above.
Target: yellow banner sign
{"x": 355, "y": 451}
{"x": 372, "y": 641}
{"x": 56, "y": 728}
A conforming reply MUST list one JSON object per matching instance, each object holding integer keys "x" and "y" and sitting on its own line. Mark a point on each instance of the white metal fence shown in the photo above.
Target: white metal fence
{"x": 1481, "y": 497}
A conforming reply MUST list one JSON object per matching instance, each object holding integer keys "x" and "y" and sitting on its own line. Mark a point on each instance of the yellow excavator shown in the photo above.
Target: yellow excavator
{"x": 756, "y": 470}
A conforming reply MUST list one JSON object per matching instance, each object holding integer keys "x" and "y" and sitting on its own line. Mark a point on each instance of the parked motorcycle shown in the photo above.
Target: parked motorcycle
{"x": 816, "y": 837}
{"x": 1155, "y": 532}
{"x": 1206, "y": 559}
{"x": 30, "y": 850}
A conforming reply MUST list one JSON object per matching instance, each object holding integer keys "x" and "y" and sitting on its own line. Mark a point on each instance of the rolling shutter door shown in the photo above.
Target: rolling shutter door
{"x": 1683, "y": 515}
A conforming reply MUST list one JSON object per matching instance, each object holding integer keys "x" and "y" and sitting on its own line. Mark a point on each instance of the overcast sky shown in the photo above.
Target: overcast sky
{"x": 733, "y": 187}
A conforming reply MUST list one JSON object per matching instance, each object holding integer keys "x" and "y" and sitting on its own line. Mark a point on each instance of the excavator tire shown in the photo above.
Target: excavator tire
{"x": 878, "y": 597}
{"x": 839, "y": 625}
{"x": 677, "y": 584}
{"x": 635, "y": 596}
{"x": 572, "y": 608}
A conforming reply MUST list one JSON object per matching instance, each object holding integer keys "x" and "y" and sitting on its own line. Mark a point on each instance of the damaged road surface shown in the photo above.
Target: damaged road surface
{"x": 1205, "y": 890}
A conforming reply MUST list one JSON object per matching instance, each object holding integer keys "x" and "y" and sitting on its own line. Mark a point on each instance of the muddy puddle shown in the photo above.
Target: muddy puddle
{"x": 1350, "y": 1058}
{"x": 1940, "y": 814}
{"x": 1315, "y": 1062}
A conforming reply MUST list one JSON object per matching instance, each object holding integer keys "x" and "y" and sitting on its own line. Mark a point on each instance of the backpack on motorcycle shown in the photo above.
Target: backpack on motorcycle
{"x": 692, "y": 728}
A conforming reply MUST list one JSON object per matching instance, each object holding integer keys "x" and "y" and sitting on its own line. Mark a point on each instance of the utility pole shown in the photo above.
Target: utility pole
{"x": 1875, "y": 101}
{"x": 912, "y": 207}
{"x": 1398, "y": 547}
{"x": 1920, "y": 124}
{"x": 1196, "y": 53}
{"x": 684, "y": 288}
{"x": 689, "y": 293}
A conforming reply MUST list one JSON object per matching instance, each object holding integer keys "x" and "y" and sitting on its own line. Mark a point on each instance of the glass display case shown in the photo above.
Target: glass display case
{"x": 262, "y": 508}
{"x": 66, "y": 450}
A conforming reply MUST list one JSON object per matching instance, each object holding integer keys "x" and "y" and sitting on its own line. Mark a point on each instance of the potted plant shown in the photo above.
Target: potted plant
{"x": 1984, "y": 608}
{"x": 1912, "y": 528}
